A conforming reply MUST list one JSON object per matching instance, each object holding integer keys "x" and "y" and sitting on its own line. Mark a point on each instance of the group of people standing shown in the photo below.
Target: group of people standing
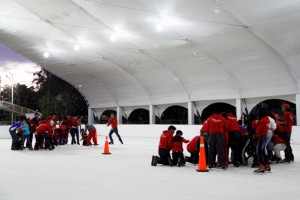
{"x": 222, "y": 131}
{"x": 50, "y": 132}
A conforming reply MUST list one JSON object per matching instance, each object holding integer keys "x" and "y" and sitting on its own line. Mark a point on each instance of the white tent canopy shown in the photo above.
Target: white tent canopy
{"x": 150, "y": 52}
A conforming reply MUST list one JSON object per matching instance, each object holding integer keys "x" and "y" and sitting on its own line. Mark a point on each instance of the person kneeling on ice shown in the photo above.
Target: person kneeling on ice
{"x": 164, "y": 148}
{"x": 84, "y": 137}
{"x": 177, "y": 149}
{"x": 193, "y": 148}
{"x": 279, "y": 145}
{"x": 92, "y": 133}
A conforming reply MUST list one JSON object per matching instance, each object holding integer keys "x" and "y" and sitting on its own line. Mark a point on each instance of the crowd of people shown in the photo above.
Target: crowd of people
{"x": 263, "y": 138}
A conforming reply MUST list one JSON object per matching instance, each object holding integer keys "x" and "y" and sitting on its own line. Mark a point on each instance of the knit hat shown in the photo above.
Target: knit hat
{"x": 286, "y": 106}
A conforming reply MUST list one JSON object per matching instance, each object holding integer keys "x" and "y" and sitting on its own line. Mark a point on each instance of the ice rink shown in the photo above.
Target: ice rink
{"x": 77, "y": 172}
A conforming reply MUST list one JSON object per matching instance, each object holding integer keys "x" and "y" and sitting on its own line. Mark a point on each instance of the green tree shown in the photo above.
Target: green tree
{"x": 58, "y": 96}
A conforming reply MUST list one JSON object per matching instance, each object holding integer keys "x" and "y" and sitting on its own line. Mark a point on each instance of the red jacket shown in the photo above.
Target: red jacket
{"x": 113, "y": 122}
{"x": 44, "y": 128}
{"x": 192, "y": 145}
{"x": 204, "y": 127}
{"x": 165, "y": 141}
{"x": 263, "y": 126}
{"x": 177, "y": 144}
{"x": 216, "y": 124}
{"x": 276, "y": 140}
{"x": 233, "y": 125}
{"x": 75, "y": 123}
{"x": 287, "y": 117}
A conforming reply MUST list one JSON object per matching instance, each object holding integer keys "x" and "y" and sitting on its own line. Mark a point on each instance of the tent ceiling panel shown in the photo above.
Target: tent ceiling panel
{"x": 140, "y": 52}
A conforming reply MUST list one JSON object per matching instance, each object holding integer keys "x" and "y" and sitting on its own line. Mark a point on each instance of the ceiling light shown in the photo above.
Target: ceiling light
{"x": 159, "y": 27}
{"x": 46, "y": 55}
{"x": 76, "y": 47}
{"x": 113, "y": 38}
{"x": 217, "y": 10}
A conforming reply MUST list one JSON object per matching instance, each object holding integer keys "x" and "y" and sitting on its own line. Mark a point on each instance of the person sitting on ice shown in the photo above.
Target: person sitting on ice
{"x": 84, "y": 137}
{"x": 177, "y": 149}
{"x": 279, "y": 145}
{"x": 193, "y": 148}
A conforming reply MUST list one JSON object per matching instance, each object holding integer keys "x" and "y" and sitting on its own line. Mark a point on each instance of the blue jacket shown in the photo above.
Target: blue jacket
{"x": 26, "y": 130}
{"x": 16, "y": 125}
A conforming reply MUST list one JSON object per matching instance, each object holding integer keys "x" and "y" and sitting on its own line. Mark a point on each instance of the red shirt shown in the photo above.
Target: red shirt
{"x": 43, "y": 128}
{"x": 75, "y": 123}
{"x": 113, "y": 122}
{"x": 263, "y": 126}
{"x": 204, "y": 127}
{"x": 276, "y": 140}
{"x": 216, "y": 124}
{"x": 165, "y": 141}
{"x": 288, "y": 118}
{"x": 192, "y": 145}
{"x": 233, "y": 125}
{"x": 177, "y": 144}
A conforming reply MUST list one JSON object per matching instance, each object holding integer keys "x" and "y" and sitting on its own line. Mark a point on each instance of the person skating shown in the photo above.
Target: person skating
{"x": 113, "y": 122}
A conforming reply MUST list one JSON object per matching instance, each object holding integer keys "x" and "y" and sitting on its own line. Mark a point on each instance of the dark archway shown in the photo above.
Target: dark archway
{"x": 273, "y": 105}
{"x": 104, "y": 117}
{"x": 224, "y": 107}
{"x": 139, "y": 116}
{"x": 175, "y": 115}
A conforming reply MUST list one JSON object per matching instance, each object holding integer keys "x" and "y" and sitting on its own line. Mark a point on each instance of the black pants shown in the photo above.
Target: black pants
{"x": 234, "y": 145}
{"x": 74, "y": 132}
{"x": 216, "y": 142}
{"x": 47, "y": 142}
{"x": 14, "y": 139}
{"x": 114, "y": 130}
{"x": 164, "y": 154}
{"x": 288, "y": 152}
{"x": 176, "y": 156}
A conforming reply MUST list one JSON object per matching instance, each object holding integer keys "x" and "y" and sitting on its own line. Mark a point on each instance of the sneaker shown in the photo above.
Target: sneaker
{"x": 286, "y": 161}
{"x": 111, "y": 143}
{"x": 170, "y": 162}
{"x": 267, "y": 168}
{"x": 152, "y": 161}
{"x": 155, "y": 161}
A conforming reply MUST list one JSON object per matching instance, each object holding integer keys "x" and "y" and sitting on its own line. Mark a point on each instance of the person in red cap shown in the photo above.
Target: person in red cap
{"x": 287, "y": 123}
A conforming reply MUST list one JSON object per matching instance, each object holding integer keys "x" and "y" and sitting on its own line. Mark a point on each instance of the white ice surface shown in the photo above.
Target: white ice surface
{"x": 83, "y": 173}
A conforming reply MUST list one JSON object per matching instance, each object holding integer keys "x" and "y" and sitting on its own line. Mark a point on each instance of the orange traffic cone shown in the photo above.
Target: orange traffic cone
{"x": 106, "y": 147}
{"x": 202, "y": 159}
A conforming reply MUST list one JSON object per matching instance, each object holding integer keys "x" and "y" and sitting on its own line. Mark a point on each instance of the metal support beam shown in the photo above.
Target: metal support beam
{"x": 191, "y": 115}
{"x": 298, "y": 109}
{"x": 151, "y": 114}
{"x": 90, "y": 115}
{"x": 238, "y": 106}
{"x": 119, "y": 114}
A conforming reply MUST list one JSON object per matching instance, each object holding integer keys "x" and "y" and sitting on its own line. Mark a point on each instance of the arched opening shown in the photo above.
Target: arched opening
{"x": 175, "y": 115}
{"x": 139, "y": 116}
{"x": 224, "y": 107}
{"x": 104, "y": 117}
{"x": 273, "y": 105}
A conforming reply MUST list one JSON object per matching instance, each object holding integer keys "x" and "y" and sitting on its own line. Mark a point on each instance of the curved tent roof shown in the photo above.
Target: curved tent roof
{"x": 140, "y": 52}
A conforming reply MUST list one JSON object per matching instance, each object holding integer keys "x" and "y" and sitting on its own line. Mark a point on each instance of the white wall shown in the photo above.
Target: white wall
{"x": 147, "y": 131}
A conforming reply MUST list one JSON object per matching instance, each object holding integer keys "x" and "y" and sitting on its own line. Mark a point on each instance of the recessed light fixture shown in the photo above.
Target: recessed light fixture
{"x": 113, "y": 38}
{"x": 159, "y": 27}
{"x": 76, "y": 47}
{"x": 46, "y": 54}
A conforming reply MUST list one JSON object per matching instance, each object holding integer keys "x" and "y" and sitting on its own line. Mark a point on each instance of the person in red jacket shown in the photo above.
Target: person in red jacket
{"x": 74, "y": 131}
{"x": 279, "y": 145}
{"x": 43, "y": 130}
{"x": 114, "y": 128}
{"x": 262, "y": 130}
{"x": 193, "y": 148}
{"x": 216, "y": 126}
{"x": 233, "y": 143}
{"x": 164, "y": 148}
{"x": 177, "y": 149}
{"x": 287, "y": 123}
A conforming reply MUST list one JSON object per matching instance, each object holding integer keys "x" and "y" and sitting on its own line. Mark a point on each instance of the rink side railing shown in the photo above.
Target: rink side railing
{"x": 151, "y": 131}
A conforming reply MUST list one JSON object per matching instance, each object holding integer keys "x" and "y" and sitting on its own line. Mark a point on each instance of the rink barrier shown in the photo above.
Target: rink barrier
{"x": 151, "y": 131}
